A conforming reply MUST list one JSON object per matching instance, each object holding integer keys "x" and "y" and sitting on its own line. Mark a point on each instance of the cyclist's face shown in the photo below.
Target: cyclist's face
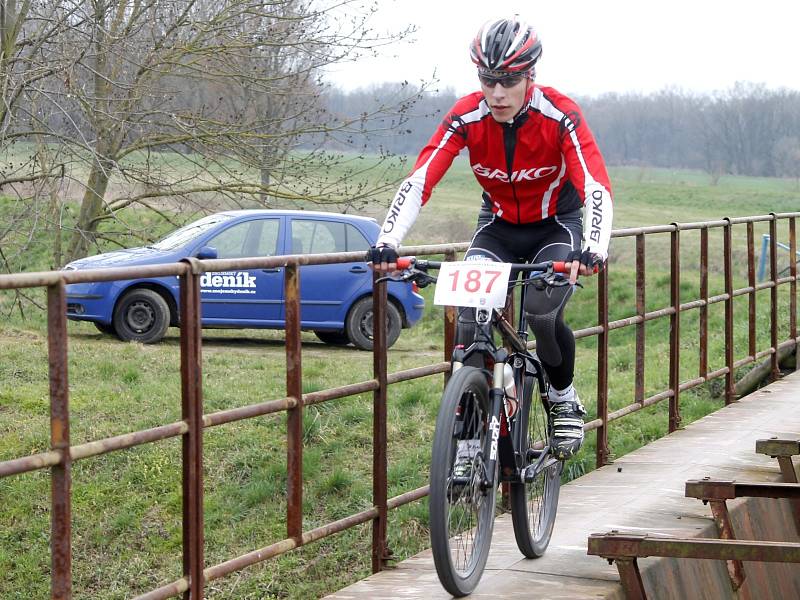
{"x": 505, "y": 97}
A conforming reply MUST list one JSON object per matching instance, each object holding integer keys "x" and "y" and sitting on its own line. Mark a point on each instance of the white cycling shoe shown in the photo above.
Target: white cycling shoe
{"x": 566, "y": 413}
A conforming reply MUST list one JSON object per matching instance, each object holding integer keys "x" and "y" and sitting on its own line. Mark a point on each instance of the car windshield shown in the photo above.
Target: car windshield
{"x": 189, "y": 232}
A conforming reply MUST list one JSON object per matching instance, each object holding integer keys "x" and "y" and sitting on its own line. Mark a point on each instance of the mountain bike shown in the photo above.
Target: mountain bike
{"x": 490, "y": 430}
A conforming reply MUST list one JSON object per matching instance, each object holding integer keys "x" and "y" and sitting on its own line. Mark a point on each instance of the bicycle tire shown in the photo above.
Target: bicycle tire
{"x": 534, "y": 503}
{"x": 461, "y": 518}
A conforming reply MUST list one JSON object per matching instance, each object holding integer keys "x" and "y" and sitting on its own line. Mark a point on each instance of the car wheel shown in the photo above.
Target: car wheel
{"x": 141, "y": 315}
{"x": 107, "y": 328}
{"x": 359, "y": 324}
{"x": 334, "y": 338}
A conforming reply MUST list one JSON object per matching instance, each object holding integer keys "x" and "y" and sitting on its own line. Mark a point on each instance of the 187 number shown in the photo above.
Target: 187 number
{"x": 473, "y": 280}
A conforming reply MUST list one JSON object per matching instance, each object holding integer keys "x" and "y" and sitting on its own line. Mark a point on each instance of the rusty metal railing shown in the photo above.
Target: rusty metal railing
{"x": 190, "y": 428}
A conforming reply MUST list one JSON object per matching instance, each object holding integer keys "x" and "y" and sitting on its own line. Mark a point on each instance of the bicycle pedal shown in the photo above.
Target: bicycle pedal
{"x": 527, "y": 475}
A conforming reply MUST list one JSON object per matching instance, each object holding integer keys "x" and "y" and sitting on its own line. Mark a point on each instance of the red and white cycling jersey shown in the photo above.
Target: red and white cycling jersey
{"x": 542, "y": 164}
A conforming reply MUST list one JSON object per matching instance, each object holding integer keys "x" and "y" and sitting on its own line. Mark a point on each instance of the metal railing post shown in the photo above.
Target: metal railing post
{"x": 641, "y": 309}
{"x": 675, "y": 329}
{"x": 601, "y": 446}
{"x": 730, "y": 388}
{"x": 751, "y": 297}
{"x": 192, "y": 440}
{"x": 703, "y": 359}
{"x": 793, "y": 290}
{"x": 450, "y": 317}
{"x": 294, "y": 419}
{"x": 61, "y": 473}
{"x": 380, "y": 551}
{"x": 775, "y": 371}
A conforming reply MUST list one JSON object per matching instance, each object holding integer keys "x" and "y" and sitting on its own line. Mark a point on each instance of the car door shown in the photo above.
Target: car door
{"x": 326, "y": 291}
{"x": 250, "y": 297}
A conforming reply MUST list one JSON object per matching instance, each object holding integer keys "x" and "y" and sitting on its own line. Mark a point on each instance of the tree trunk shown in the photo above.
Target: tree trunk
{"x": 91, "y": 208}
{"x": 755, "y": 377}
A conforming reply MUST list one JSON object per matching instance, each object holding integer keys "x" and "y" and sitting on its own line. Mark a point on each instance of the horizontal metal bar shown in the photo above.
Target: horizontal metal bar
{"x": 49, "y": 278}
{"x": 777, "y": 447}
{"x": 592, "y": 425}
{"x": 580, "y": 333}
{"x": 340, "y": 392}
{"x": 615, "y": 545}
{"x": 246, "y": 412}
{"x": 633, "y": 231}
{"x": 763, "y": 353}
{"x": 251, "y": 558}
{"x": 656, "y": 398}
{"x": 176, "y": 588}
{"x": 29, "y": 463}
{"x": 433, "y": 249}
{"x": 408, "y": 497}
{"x": 618, "y": 414}
{"x": 128, "y": 440}
{"x": 340, "y": 525}
{"x": 417, "y": 372}
{"x": 691, "y": 383}
{"x": 718, "y": 373}
{"x": 744, "y": 361}
{"x": 714, "y": 489}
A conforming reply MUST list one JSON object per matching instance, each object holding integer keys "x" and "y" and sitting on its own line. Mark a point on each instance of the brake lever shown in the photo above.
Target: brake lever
{"x": 421, "y": 277}
{"x": 388, "y": 278}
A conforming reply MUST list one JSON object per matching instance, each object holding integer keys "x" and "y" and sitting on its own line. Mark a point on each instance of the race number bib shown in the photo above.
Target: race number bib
{"x": 472, "y": 283}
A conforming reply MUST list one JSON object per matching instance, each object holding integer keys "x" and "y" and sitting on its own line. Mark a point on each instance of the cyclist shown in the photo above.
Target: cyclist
{"x": 538, "y": 164}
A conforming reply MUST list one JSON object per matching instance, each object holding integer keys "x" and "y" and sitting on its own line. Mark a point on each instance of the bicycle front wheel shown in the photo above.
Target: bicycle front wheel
{"x": 461, "y": 513}
{"x": 534, "y": 501}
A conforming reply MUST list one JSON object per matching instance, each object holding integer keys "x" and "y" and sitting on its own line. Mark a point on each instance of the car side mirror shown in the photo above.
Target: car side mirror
{"x": 207, "y": 252}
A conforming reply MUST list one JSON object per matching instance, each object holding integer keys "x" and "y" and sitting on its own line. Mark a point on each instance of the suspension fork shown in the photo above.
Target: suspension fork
{"x": 496, "y": 418}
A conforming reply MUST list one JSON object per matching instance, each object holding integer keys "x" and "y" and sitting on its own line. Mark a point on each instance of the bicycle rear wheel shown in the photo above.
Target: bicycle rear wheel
{"x": 461, "y": 514}
{"x": 534, "y": 502}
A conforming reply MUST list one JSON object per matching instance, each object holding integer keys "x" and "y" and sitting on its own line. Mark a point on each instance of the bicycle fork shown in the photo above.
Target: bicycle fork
{"x": 497, "y": 426}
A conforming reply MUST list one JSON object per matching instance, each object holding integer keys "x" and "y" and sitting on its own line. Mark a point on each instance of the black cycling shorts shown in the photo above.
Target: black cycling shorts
{"x": 550, "y": 239}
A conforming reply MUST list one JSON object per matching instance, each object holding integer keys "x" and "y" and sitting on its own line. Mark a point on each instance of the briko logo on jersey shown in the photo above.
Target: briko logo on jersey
{"x": 520, "y": 175}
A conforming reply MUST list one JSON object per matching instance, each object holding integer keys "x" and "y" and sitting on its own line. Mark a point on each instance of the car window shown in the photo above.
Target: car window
{"x": 268, "y": 238}
{"x": 187, "y": 233}
{"x": 251, "y": 238}
{"x": 355, "y": 240}
{"x": 317, "y": 237}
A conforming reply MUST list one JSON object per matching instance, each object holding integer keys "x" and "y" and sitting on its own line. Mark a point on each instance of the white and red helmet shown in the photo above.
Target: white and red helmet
{"x": 506, "y": 45}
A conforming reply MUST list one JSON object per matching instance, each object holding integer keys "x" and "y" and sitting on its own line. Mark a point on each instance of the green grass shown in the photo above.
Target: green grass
{"x": 127, "y": 505}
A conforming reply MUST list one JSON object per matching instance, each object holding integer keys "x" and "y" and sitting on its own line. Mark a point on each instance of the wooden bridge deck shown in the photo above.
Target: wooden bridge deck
{"x": 641, "y": 492}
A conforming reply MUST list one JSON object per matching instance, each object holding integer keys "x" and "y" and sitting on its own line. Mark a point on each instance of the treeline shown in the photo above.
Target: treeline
{"x": 746, "y": 130}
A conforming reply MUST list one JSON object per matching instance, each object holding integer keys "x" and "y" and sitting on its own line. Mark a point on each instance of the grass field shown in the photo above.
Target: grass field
{"x": 127, "y": 505}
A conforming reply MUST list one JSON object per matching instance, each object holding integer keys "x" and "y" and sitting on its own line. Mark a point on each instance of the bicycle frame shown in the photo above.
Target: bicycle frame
{"x": 499, "y": 446}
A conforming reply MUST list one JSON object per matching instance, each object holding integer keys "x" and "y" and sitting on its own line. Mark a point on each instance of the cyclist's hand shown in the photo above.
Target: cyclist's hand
{"x": 583, "y": 262}
{"x": 382, "y": 258}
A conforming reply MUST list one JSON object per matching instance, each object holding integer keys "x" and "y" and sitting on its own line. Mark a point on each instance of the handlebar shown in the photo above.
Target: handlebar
{"x": 408, "y": 262}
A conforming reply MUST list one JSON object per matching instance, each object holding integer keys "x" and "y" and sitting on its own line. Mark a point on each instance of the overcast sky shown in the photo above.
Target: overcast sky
{"x": 596, "y": 46}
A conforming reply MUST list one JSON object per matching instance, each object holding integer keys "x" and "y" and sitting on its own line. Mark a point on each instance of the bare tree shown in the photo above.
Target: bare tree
{"x": 183, "y": 104}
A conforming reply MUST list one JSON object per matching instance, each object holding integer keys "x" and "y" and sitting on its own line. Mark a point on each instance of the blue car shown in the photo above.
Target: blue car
{"x": 336, "y": 300}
